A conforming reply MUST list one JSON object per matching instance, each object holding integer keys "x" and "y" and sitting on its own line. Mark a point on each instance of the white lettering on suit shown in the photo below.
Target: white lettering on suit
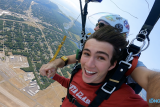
{"x": 73, "y": 88}
{"x": 79, "y": 94}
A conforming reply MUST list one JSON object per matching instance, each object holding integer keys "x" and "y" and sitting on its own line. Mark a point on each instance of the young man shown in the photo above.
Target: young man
{"x": 123, "y": 26}
{"x": 99, "y": 56}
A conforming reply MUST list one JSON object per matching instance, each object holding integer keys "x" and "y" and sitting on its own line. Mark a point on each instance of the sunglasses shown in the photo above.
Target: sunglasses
{"x": 100, "y": 25}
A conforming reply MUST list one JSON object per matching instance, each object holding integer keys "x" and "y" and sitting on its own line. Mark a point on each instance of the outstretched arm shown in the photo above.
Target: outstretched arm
{"x": 50, "y": 68}
{"x": 150, "y": 81}
{"x": 71, "y": 59}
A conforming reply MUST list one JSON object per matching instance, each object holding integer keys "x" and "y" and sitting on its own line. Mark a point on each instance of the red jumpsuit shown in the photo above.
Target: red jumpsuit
{"x": 85, "y": 93}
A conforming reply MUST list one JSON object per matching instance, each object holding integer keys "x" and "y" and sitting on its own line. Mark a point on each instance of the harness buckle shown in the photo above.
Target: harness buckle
{"x": 129, "y": 65}
{"x": 109, "y": 92}
{"x": 73, "y": 100}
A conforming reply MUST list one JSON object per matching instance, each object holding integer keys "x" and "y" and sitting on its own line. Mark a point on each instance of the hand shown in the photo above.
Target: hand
{"x": 49, "y": 69}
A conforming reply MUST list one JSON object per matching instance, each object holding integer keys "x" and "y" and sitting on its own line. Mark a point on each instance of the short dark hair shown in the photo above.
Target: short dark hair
{"x": 114, "y": 37}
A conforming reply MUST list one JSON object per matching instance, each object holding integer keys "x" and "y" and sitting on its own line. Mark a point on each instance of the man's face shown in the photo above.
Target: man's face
{"x": 95, "y": 61}
{"x": 98, "y": 26}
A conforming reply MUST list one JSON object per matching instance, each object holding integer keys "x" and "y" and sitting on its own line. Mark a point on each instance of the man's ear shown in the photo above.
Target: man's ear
{"x": 112, "y": 66}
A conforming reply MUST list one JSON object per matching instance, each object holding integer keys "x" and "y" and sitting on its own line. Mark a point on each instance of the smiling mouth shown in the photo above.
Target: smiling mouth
{"x": 89, "y": 73}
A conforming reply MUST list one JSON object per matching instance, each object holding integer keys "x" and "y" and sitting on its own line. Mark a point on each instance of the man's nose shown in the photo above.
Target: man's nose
{"x": 90, "y": 62}
{"x": 96, "y": 28}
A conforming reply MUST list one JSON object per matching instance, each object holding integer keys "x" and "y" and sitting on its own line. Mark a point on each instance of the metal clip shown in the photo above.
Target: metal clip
{"x": 109, "y": 92}
{"x": 130, "y": 65}
{"x": 129, "y": 57}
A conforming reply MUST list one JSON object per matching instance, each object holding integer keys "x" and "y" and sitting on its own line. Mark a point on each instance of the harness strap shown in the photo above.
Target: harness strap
{"x": 69, "y": 96}
{"x": 73, "y": 100}
{"x": 134, "y": 64}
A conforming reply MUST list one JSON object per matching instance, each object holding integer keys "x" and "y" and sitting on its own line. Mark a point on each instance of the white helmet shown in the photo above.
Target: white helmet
{"x": 116, "y": 21}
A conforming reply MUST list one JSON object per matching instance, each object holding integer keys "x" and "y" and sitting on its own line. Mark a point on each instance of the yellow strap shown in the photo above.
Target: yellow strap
{"x": 114, "y": 80}
{"x": 59, "y": 47}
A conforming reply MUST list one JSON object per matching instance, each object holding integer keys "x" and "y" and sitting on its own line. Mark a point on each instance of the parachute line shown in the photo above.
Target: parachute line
{"x": 148, "y": 4}
{"x": 123, "y": 10}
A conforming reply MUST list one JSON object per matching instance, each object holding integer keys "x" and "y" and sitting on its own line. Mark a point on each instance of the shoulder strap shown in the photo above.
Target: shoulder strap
{"x": 115, "y": 81}
{"x": 111, "y": 85}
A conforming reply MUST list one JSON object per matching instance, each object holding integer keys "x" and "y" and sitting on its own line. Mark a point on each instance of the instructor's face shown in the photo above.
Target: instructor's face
{"x": 95, "y": 61}
{"x": 99, "y": 25}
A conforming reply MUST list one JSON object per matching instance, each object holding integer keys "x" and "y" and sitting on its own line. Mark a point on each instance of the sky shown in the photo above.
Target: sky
{"x": 136, "y": 12}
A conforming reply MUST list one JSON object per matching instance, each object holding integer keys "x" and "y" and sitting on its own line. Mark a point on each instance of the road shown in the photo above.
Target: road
{"x": 33, "y": 21}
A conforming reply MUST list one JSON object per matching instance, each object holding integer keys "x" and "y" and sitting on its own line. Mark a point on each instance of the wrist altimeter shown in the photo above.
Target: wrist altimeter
{"x": 65, "y": 59}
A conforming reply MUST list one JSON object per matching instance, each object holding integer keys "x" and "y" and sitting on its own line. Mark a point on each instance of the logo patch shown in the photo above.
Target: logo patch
{"x": 110, "y": 18}
{"x": 126, "y": 24}
{"x": 119, "y": 27}
{"x": 119, "y": 18}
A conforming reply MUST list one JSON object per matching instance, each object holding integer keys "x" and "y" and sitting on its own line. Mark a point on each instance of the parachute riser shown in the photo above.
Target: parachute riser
{"x": 83, "y": 17}
{"x": 137, "y": 49}
{"x": 143, "y": 35}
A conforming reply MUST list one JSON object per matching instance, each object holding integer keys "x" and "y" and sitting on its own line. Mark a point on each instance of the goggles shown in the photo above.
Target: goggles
{"x": 100, "y": 25}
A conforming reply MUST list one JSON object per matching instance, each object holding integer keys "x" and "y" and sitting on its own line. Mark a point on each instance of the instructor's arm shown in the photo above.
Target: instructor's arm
{"x": 150, "y": 81}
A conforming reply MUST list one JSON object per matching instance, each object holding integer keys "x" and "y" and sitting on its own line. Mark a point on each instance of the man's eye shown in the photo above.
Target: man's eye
{"x": 101, "y": 58}
{"x": 86, "y": 54}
